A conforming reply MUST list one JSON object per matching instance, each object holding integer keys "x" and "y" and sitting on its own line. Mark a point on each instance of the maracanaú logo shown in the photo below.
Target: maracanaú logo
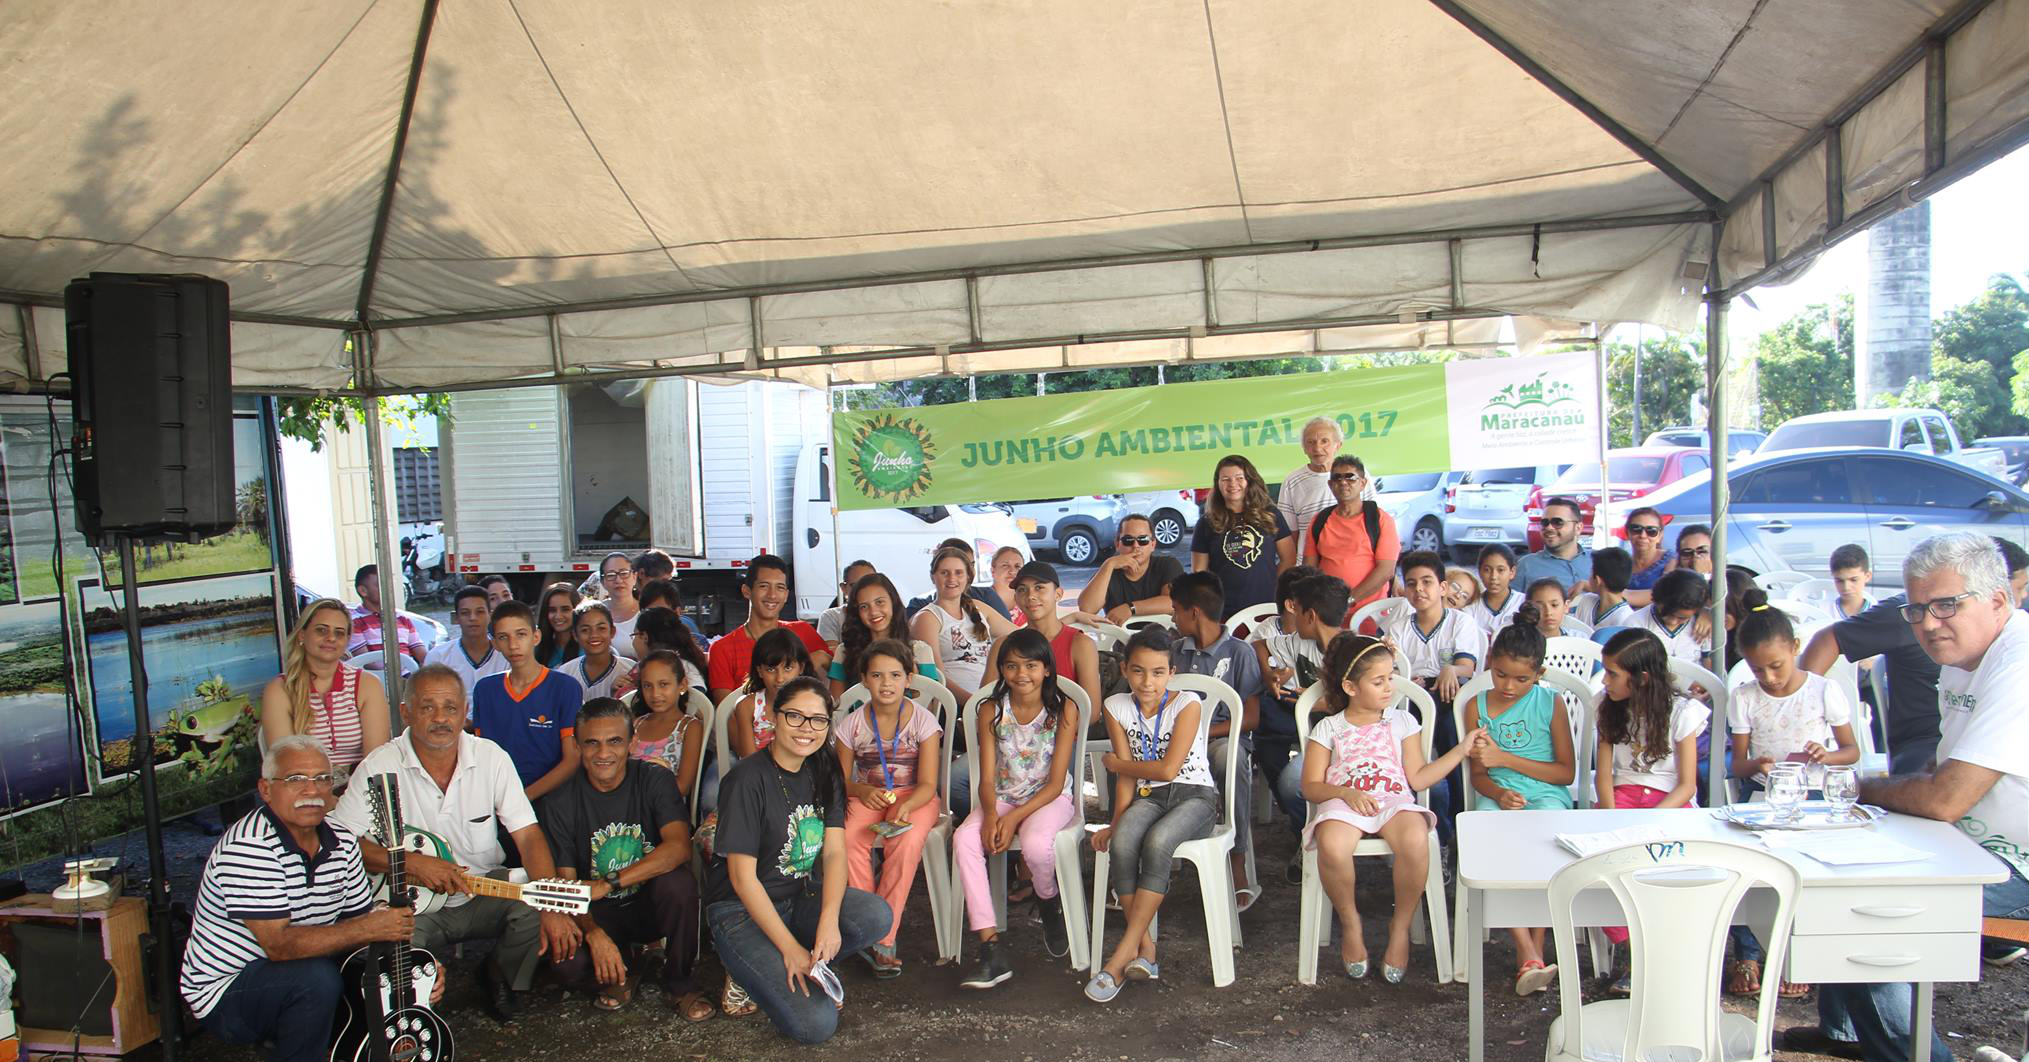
{"x": 1540, "y": 403}
{"x": 890, "y": 458}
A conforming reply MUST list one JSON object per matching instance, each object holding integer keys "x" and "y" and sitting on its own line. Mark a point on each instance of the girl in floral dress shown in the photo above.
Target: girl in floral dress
{"x": 1362, "y": 767}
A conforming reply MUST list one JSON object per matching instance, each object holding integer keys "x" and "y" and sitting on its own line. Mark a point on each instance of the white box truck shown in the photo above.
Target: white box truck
{"x": 540, "y": 483}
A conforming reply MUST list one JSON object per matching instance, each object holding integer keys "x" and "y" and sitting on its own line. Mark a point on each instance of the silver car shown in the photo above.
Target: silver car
{"x": 1490, "y": 505}
{"x": 1416, "y": 501}
{"x": 1080, "y": 529}
{"x": 1173, "y": 512}
{"x": 1790, "y": 510}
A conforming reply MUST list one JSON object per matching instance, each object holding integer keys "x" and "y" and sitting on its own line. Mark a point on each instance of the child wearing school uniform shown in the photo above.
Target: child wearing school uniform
{"x": 890, "y": 749}
{"x": 1602, "y": 604}
{"x": 1672, "y": 613}
{"x": 1498, "y": 601}
{"x": 1553, "y": 611}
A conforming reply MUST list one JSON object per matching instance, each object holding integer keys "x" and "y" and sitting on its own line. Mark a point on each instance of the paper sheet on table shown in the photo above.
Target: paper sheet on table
{"x": 1589, "y": 844}
{"x": 1846, "y": 848}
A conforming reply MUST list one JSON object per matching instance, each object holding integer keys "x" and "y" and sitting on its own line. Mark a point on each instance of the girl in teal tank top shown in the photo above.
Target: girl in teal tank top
{"x": 1529, "y": 763}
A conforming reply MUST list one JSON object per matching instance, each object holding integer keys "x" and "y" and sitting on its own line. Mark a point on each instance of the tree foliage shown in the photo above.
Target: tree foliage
{"x": 1805, "y": 364}
{"x": 1966, "y": 391}
{"x": 305, "y": 417}
{"x": 1992, "y": 328}
{"x": 1673, "y": 370}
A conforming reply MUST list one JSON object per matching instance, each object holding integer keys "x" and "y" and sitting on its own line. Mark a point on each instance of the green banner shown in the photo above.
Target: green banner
{"x": 1149, "y": 438}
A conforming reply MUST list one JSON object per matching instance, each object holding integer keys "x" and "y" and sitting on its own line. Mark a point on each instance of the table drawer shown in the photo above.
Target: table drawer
{"x": 1919, "y": 909}
{"x": 1883, "y": 957}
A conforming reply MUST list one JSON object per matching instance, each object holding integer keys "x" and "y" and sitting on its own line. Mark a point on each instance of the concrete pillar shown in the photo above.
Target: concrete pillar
{"x": 1892, "y": 329}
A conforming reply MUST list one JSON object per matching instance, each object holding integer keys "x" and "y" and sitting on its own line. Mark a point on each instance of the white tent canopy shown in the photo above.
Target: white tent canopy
{"x": 507, "y": 190}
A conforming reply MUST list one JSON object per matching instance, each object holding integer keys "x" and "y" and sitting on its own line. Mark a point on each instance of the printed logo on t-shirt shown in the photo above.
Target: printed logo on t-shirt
{"x": 1219, "y": 669}
{"x": 541, "y": 720}
{"x": 1512, "y": 733}
{"x": 802, "y": 843}
{"x": 1957, "y": 702}
{"x": 1243, "y": 545}
{"x": 1980, "y": 832}
{"x": 616, "y": 846}
{"x": 1371, "y": 776}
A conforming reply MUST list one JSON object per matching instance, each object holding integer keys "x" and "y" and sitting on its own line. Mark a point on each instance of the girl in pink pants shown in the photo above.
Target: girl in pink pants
{"x": 891, "y": 752}
{"x": 1028, "y": 743}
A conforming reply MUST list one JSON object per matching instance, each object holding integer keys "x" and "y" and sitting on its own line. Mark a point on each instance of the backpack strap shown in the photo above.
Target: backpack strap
{"x": 1317, "y": 528}
{"x": 1370, "y": 516}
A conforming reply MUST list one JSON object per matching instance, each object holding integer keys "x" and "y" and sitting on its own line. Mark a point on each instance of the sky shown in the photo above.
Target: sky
{"x": 1978, "y": 227}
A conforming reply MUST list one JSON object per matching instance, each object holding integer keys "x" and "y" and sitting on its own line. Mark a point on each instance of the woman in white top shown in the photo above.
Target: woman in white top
{"x": 955, "y": 627}
{"x": 1648, "y": 736}
{"x": 1162, "y": 796}
{"x": 317, "y": 695}
{"x": 600, "y": 670}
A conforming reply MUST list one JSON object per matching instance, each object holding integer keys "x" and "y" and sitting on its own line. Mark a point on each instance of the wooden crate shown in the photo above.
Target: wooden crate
{"x": 119, "y": 928}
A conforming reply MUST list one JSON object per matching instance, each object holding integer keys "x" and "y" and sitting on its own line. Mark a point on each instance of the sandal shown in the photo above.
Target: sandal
{"x": 1743, "y": 978}
{"x": 1792, "y": 990}
{"x": 1534, "y": 977}
{"x": 884, "y": 961}
{"x": 613, "y": 997}
{"x": 693, "y": 1007}
{"x": 734, "y": 1002}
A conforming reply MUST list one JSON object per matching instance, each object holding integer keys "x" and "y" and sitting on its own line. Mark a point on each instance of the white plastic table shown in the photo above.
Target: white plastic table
{"x": 1917, "y": 922}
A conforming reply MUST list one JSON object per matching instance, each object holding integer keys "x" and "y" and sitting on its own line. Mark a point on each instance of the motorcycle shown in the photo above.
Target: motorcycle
{"x": 423, "y": 566}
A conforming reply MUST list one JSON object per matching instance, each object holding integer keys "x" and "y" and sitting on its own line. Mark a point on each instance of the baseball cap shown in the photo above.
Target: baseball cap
{"x": 1041, "y": 571}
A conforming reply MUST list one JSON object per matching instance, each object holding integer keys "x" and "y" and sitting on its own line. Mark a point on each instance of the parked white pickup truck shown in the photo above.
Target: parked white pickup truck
{"x": 1923, "y": 430}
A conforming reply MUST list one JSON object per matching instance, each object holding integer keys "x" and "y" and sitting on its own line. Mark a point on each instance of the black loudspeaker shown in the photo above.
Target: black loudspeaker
{"x": 151, "y": 406}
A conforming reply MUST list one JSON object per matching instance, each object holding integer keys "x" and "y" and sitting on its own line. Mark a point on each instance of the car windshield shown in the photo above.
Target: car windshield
{"x": 1869, "y": 431}
{"x": 1414, "y": 482}
{"x": 1621, "y": 471}
{"x": 1523, "y": 474}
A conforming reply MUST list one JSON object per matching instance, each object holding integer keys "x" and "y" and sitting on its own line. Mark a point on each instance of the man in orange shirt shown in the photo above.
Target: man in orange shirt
{"x": 1355, "y": 541}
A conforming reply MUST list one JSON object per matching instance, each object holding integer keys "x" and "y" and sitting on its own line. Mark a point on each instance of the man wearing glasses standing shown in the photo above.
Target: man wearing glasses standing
{"x": 284, "y": 896}
{"x": 1356, "y": 539}
{"x": 1562, "y": 557}
{"x": 1964, "y": 615}
{"x": 1135, "y": 580}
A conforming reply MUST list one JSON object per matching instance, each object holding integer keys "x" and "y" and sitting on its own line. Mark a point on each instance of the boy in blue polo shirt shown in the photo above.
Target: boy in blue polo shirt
{"x": 531, "y": 711}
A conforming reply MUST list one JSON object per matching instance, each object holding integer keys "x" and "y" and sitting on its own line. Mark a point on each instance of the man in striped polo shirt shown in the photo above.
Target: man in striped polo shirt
{"x": 283, "y": 899}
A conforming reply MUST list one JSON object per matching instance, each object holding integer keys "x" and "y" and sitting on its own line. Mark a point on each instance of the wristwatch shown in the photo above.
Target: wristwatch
{"x": 612, "y": 879}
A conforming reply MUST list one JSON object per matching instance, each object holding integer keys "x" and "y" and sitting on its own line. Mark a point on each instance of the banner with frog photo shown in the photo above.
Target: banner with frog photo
{"x": 1417, "y": 418}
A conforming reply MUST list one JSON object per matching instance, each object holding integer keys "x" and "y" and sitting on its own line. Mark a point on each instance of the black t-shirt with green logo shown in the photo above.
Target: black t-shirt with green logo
{"x": 776, "y": 817}
{"x": 594, "y": 832}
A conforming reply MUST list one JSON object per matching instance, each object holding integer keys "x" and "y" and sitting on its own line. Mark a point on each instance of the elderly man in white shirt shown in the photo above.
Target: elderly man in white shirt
{"x": 1307, "y": 491}
{"x": 1964, "y": 616}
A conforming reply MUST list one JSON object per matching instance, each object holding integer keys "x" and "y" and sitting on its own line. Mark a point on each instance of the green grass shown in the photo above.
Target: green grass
{"x": 238, "y": 551}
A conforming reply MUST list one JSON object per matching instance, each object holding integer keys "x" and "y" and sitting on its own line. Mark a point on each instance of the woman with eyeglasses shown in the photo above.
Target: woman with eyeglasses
{"x": 1241, "y": 537}
{"x": 776, "y": 897}
{"x": 616, "y": 578}
{"x": 1135, "y": 580}
{"x": 1644, "y": 530}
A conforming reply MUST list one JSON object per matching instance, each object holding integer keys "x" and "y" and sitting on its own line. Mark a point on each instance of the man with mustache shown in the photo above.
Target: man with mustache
{"x": 284, "y": 898}
{"x": 463, "y": 789}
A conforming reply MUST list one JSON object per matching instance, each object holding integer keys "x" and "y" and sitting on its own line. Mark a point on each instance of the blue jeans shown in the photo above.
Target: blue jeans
{"x": 291, "y": 1003}
{"x": 754, "y": 961}
{"x": 1145, "y": 838}
{"x": 1274, "y": 741}
{"x": 961, "y": 789}
{"x": 1878, "y": 1016}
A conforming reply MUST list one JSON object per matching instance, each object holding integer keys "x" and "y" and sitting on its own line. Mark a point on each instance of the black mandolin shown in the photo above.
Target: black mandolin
{"x": 388, "y": 985}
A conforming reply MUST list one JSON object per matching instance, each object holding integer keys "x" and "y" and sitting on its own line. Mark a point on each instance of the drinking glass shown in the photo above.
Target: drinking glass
{"x": 1786, "y": 790}
{"x": 1842, "y": 791}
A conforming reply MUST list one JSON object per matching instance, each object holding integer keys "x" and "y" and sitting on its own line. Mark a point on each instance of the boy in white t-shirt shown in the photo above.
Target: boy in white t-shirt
{"x": 471, "y": 654}
{"x": 1851, "y": 572}
{"x": 1672, "y": 613}
{"x": 1442, "y": 646}
{"x": 1602, "y": 605}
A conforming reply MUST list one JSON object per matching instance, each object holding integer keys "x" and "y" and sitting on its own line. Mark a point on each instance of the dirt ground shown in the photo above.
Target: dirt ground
{"x": 1042, "y": 1015}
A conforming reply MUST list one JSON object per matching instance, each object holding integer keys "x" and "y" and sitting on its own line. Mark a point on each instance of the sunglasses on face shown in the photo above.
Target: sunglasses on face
{"x": 1556, "y": 521}
{"x": 1347, "y": 477}
{"x": 1644, "y": 530}
{"x": 1695, "y": 551}
{"x": 1135, "y": 540}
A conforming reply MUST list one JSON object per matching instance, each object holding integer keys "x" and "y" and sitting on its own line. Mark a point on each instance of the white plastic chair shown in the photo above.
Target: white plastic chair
{"x": 1248, "y": 618}
{"x": 1314, "y": 910}
{"x": 698, "y": 705}
{"x": 1778, "y": 583}
{"x": 1380, "y": 612}
{"x": 1164, "y": 620}
{"x": 722, "y": 746}
{"x": 1801, "y": 613}
{"x": 1577, "y": 656}
{"x": 1679, "y": 898}
{"x": 1819, "y": 592}
{"x": 1573, "y": 627}
{"x": 1209, "y": 855}
{"x": 937, "y": 843}
{"x": 1070, "y": 880}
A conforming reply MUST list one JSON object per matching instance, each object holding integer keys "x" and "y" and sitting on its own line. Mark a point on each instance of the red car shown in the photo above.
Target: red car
{"x": 1630, "y": 473}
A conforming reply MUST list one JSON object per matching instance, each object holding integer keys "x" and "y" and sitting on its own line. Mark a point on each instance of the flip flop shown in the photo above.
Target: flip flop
{"x": 1244, "y": 898}
{"x": 1743, "y": 978}
{"x": 1534, "y": 977}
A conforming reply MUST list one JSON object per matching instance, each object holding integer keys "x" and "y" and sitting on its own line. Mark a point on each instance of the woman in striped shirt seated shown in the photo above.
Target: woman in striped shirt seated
{"x": 318, "y": 695}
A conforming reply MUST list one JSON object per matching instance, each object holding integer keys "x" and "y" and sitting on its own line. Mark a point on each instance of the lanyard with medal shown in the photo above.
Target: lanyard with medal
{"x": 881, "y": 747}
{"x": 1148, "y": 743}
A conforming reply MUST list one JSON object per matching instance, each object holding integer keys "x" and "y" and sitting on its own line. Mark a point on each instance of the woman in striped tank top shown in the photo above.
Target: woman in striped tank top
{"x": 317, "y": 695}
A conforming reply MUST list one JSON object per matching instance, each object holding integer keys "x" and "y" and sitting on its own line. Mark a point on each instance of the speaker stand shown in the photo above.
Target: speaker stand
{"x": 167, "y": 1005}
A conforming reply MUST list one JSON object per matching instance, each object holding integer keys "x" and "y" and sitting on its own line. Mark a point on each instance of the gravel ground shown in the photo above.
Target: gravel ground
{"x": 1041, "y": 1014}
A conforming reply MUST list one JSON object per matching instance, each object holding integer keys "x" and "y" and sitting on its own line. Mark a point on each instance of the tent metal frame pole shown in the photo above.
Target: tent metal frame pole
{"x": 1716, "y": 305}
{"x": 1667, "y": 219}
{"x": 384, "y": 211}
{"x": 17, "y": 297}
{"x": 385, "y": 559}
{"x": 1586, "y": 107}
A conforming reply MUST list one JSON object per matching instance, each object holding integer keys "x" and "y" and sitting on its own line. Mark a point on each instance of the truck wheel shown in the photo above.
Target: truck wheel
{"x": 1428, "y": 537}
{"x": 1169, "y": 528}
{"x": 1078, "y": 546}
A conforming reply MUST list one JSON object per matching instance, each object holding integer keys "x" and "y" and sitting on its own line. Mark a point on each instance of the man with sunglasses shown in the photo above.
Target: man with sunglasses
{"x": 1964, "y": 614}
{"x": 1135, "y": 580}
{"x": 1563, "y": 557}
{"x": 1355, "y": 540}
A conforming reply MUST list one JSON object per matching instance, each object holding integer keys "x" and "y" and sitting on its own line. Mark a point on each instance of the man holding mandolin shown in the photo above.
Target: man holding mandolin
{"x": 459, "y": 791}
{"x": 284, "y": 896}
